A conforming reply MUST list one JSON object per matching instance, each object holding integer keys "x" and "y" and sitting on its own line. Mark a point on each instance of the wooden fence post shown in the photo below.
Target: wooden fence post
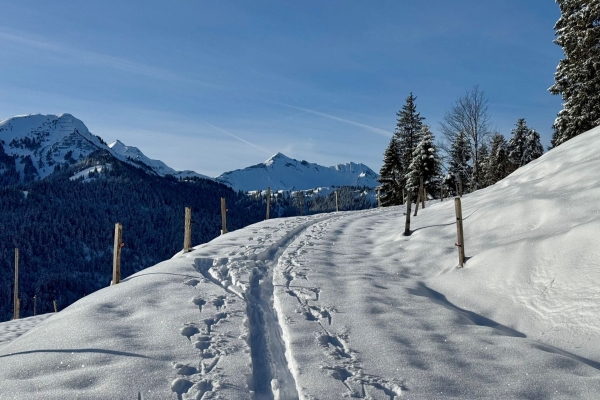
{"x": 407, "y": 223}
{"x": 55, "y": 308}
{"x": 423, "y": 195}
{"x": 223, "y": 216}
{"x": 187, "y": 236}
{"x": 117, "y": 254}
{"x": 35, "y": 305}
{"x": 459, "y": 233}
{"x": 337, "y": 206}
{"x": 16, "y": 298}
{"x": 268, "y": 201}
{"x": 378, "y": 197}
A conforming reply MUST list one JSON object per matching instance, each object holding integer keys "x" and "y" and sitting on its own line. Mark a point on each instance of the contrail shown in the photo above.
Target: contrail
{"x": 373, "y": 129}
{"x": 237, "y": 137}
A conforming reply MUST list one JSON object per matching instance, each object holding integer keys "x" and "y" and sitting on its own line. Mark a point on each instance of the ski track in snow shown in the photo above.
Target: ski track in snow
{"x": 244, "y": 276}
{"x": 344, "y": 364}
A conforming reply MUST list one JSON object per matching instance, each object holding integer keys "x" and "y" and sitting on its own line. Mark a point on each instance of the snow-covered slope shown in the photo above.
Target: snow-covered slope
{"x": 283, "y": 173}
{"x": 40, "y": 142}
{"x": 131, "y": 153}
{"x": 342, "y": 305}
{"x": 36, "y": 144}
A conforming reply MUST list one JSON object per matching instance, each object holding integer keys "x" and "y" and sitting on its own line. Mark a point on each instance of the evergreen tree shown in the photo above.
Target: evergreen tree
{"x": 533, "y": 147}
{"x": 390, "y": 176}
{"x": 460, "y": 157}
{"x": 497, "y": 165}
{"x": 424, "y": 164}
{"x": 481, "y": 169}
{"x": 577, "y": 77}
{"x": 408, "y": 128}
{"x": 516, "y": 144}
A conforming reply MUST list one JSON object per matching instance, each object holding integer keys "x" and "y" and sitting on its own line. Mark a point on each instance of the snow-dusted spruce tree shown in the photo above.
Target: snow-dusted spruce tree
{"x": 516, "y": 144}
{"x": 424, "y": 164}
{"x": 460, "y": 162}
{"x": 577, "y": 77}
{"x": 468, "y": 115}
{"x": 481, "y": 165}
{"x": 533, "y": 147}
{"x": 497, "y": 165}
{"x": 391, "y": 175}
{"x": 407, "y": 134}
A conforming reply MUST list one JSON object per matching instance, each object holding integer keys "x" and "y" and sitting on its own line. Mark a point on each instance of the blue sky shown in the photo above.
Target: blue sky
{"x": 219, "y": 85}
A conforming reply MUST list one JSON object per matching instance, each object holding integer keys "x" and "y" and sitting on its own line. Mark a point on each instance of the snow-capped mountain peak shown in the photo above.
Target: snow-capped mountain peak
{"x": 281, "y": 172}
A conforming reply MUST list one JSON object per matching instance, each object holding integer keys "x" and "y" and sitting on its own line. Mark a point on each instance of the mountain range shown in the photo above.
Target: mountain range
{"x": 34, "y": 146}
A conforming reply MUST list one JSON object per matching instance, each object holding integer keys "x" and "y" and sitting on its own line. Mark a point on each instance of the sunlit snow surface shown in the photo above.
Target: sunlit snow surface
{"x": 343, "y": 305}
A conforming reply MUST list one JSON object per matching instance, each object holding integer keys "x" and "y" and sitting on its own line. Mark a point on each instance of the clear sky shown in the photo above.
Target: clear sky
{"x": 214, "y": 86}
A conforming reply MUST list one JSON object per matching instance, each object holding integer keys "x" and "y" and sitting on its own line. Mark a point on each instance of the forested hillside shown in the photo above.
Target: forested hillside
{"x": 64, "y": 228}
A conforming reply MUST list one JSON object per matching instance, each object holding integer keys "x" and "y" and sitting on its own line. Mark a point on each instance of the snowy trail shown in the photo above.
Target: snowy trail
{"x": 249, "y": 275}
{"x": 362, "y": 322}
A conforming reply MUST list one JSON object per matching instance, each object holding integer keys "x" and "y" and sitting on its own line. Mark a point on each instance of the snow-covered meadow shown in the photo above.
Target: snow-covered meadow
{"x": 343, "y": 305}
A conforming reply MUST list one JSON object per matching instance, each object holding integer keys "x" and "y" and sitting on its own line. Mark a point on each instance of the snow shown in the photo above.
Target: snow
{"x": 280, "y": 172}
{"x": 84, "y": 174}
{"x": 131, "y": 153}
{"x": 343, "y": 305}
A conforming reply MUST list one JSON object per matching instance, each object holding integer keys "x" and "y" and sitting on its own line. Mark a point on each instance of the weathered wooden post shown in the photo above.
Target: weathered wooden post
{"x": 407, "y": 223}
{"x": 55, "y": 308}
{"x": 268, "y": 201}
{"x": 187, "y": 236}
{"x": 16, "y": 298}
{"x": 337, "y": 206}
{"x": 223, "y": 216}
{"x": 423, "y": 195}
{"x": 117, "y": 253}
{"x": 459, "y": 233}
{"x": 378, "y": 197}
{"x": 35, "y": 305}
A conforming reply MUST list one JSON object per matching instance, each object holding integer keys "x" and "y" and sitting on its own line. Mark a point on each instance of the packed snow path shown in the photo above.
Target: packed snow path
{"x": 360, "y": 322}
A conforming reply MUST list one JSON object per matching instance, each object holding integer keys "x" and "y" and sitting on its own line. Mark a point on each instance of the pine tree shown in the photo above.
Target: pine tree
{"x": 390, "y": 176}
{"x": 408, "y": 128}
{"x": 577, "y": 77}
{"x": 497, "y": 165}
{"x": 424, "y": 164}
{"x": 460, "y": 157}
{"x": 516, "y": 144}
{"x": 481, "y": 169}
{"x": 533, "y": 147}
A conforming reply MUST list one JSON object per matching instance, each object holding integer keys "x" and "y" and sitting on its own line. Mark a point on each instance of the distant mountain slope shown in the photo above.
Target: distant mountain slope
{"x": 134, "y": 154}
{"x": 283, "y": 173}
{"x": 34, "y": 146}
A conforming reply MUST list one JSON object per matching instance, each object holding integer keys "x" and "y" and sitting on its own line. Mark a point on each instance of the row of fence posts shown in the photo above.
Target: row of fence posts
{"x": 421, "y": 196}
{"x": 16, "y": 299}
{"x": 187, "y": 239}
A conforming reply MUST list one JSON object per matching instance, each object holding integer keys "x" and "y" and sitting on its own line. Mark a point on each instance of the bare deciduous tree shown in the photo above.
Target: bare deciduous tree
{"x": 469, "y": 114}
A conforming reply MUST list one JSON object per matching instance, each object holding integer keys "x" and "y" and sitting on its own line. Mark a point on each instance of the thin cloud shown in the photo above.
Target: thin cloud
{"x": 237, "y": 137}
{"x": 373, "y": 129}
{"x": 95, "y": 58}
